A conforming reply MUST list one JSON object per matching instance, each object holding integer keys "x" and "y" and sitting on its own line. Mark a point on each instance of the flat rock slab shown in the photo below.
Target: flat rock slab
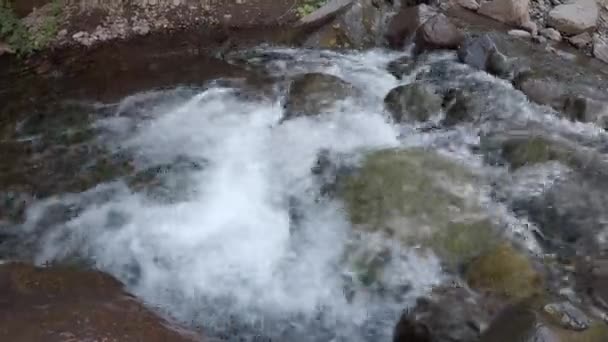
{"x": 575, "y": 17}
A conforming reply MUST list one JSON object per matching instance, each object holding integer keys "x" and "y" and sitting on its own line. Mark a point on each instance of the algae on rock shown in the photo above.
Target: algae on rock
{"x": 421, "y": 198}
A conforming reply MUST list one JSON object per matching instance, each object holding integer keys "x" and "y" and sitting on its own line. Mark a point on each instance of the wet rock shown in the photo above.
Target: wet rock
{"x": 481, "y": 53}
{"x": 569, "y": 213}
{"x": 581, "y": 41}
{"x": 405, "y": 24}
{"x": 568, "y": 316}
{"x": 459, "y": 108}
{"x": 585, "y": 108}
{"x": 513, "y": 12}
{"x": 74, "y": 305}
{"x": 472, "y": 5}
{"x": 540, "y": 89}
{"x": 600, "y": 48}
{"x": 539, "y": 39}
{"x": 314, "y": 93}
{"x": 520, "y": 33}
{"x": 401, "y": 66}
{"x": 526, "y": 150}
{"x": 449, "y": 314}
{"x": 551, "y": 34}
{"x": 413, "y": 102}
{"x": 527, "y": 323}
{"x": 504, "y": 272}
{"x": 438, "y": 33}
{"x": 574, "y": 17}
{"x": 420, "y": 198}
{"x": 599, "y": 282}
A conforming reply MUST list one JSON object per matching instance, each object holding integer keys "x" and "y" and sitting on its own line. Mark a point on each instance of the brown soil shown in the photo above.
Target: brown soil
{"x": 68, "y": 305}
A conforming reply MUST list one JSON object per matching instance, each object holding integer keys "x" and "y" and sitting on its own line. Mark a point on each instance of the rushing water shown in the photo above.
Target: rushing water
{"x": 235, "y": 236}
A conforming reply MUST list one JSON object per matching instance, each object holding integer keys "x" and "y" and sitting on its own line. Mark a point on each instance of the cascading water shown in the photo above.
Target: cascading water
{"x": 236, "y": 236}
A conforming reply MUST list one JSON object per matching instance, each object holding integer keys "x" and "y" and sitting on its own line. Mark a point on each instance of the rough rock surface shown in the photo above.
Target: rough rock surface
{"x": 64, "y": 304}
{"x": 575, "y": 17}
{"x": 551, "y": 34}
{"x": 413, "y": 102}
{"x": 513, "y": 12}
{"x": 438, "y": 33}
{"x": 314, "y": 93}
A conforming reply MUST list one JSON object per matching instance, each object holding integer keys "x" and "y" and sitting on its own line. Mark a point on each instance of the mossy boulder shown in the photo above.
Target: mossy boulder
{"x": 505, "y": 272}
{"x": 420, "y": 198}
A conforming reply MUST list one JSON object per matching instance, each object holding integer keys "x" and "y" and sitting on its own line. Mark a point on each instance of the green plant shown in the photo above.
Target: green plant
{"x": 308, "y": 6}
{"x": 23, "y": 40}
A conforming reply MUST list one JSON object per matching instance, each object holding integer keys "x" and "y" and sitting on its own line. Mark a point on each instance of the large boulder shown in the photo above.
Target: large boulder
{"x": 75, "y": 305}
{"x": 438, "y": 32}
{"x": 413, "y": 102}
{"x": 315, "y": 93}
{"x": 574, "y": 17}
{"x": 512, "y": 12}
{"x": 405, "y": 24}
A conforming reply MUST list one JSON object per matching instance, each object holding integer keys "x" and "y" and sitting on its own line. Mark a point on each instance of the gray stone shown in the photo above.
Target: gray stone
{"x": 581, "y": 41}
{"x": 551, "y": 34}
{"x": 520, "y": 33}
{"x": 575, "y": 17}
{"x": 600, "y": 48}
{"x": 513, "y": 12}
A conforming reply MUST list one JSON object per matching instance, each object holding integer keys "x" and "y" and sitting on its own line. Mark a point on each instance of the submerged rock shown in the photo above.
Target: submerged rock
{"x": 505, "y": 272}
{"x": 448, "y": 315}
{"x": 401, "y": 66}
{"x": 413, "y": 102}
{"x": 418, "y": 197}
{"x": 526, "y": 322}
{"x": 73, "y": 305}
{"x": 315, "y": 93}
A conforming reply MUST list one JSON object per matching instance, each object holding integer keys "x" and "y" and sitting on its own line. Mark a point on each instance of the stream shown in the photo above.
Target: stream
{"x": 203, "y": 200}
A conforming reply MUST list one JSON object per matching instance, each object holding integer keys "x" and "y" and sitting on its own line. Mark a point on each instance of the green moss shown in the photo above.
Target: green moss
{"x": 26, "y": 41}
{"x": 396, "y": 189}
{"x": 531, "y": 151}
{"x": 306, "y": 7}
{"x": 504, "y": 272}
{"x": 463, "y": 241}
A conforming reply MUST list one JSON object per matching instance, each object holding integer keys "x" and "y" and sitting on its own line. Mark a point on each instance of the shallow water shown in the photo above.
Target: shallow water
{"x": 231, "y": 231}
